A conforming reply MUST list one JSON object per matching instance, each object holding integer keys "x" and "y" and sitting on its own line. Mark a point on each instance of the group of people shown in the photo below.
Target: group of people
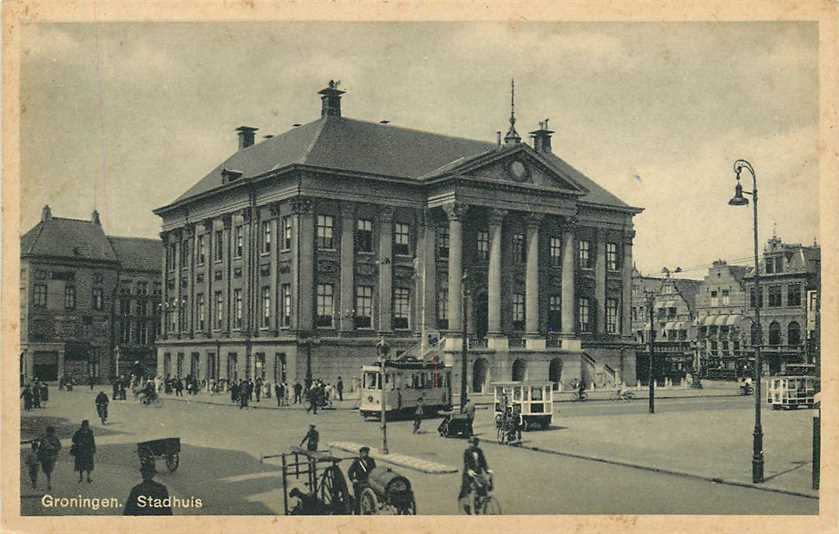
{"x": 35, "y": 395}
{"x": 44, "y": 451}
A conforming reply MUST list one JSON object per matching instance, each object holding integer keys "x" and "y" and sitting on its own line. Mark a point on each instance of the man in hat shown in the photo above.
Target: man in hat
{"x": 360, "y": 471}
{"x": 311, "y": 439}
{"x": 148, "y": 497}
{"x": 475, "y": 468}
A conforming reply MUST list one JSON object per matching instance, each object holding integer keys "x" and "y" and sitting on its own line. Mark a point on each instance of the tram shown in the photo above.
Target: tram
{"x": 405, "y": 381}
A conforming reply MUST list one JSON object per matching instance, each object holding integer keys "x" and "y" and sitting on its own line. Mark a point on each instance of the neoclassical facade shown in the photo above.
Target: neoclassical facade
{"x": 294, "y": 256}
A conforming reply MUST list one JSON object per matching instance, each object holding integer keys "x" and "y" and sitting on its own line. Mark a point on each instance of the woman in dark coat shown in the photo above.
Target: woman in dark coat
{"x": 45, "y": 394}
{"x": 84, "y": 447}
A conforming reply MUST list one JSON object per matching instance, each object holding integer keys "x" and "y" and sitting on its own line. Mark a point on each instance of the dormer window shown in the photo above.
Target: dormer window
{"x": 230, "y": 175}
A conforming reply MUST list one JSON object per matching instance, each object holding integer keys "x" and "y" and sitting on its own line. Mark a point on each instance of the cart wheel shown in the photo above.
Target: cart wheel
{"x": 409, "y": 508}
{"x": 500, "y": 434}
{"x": 172, "y": 462}
{"x": 491, "y": 506}
{"x": 368, "y": 503}
{"x": 333, "y": 490}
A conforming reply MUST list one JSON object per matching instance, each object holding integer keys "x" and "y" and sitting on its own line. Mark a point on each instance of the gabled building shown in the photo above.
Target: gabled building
{"x": 70, "y": 274}
{"x": 295, "y": 254}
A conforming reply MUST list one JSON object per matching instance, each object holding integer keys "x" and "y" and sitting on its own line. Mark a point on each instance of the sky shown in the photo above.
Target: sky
{"x": 124, "y": 117}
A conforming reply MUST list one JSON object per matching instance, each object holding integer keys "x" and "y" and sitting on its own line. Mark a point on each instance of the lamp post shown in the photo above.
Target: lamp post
{"x": 739, "y": 200}
{"x": 650, "y": 295}
{"x": 382, "y": 348}
{"x": 464, "y": 350}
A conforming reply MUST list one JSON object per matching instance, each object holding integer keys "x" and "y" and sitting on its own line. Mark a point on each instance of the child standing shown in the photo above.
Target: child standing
{"x": 32, "y": 463}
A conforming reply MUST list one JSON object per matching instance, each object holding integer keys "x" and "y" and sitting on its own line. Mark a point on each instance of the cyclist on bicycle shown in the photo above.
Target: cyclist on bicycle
{"x": 148, "y": 394}
{"x": 476, "y": 473}
{"x": 102, "y": 407}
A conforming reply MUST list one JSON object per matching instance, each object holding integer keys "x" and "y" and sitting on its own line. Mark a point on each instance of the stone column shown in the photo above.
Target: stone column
{"x": 568, "y": 328}
{"x": 600, "y": 282}
{"x": 276, "y": 305}
{"x": 455, "y": 213}
{"x": 346, "y": 321}
{"x": 626, "y": 288}
{"x": 227, "y": 238}
{"x": 533, "y": 339}
{"x": 385, "y": 269}
{"x": 246, "y": 262}
{"x": 495, "y": 335}
{"x": 430, "y": 271}
{"x": 177, "y": 272}
{"x": 209, "y": 259}
{"x": 164, "y": 288}
{"x": 303, "y": 261}
{"x": 189, "y": 312}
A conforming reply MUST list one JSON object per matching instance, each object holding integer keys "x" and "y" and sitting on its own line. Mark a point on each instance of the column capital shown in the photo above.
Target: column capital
{"x": 601, "y": 233}
{"x": 496, "y": 216}
{"x": 246, "y": 215}
{"x": 570, "y": 224}
{"x": 628, "y": 237}
{"x": 189, "y": 230}
{"x": 301, "y": 206}
{"x": 164, "y": 236}
{"x": 227, "y": 221}
{"x": 274, "y": 209}
{"x": 456, "y": 210}
{"x": 534, "y": 220}
{"x": 347, "y": 210}
{"x": 207, "y": 224}
{"x": 386, "y": 214}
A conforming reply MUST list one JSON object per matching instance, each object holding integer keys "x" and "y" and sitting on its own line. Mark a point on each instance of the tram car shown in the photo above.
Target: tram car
{"x": 404, "y": 382}
{"x": 533, "y": 399}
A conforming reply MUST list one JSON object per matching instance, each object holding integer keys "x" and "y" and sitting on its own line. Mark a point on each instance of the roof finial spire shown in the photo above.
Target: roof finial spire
{"x": 512, "y": 136}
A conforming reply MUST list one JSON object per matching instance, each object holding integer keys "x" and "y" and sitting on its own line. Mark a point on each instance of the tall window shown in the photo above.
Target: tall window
{"x": 483, "y": 245}
{"x": 363, "y": 306}
{"x": 170, "y": 260}
{"x": 443, "y": 308}
{"x": 325, "y": 232}
{"x": 142, "y": 288}
{"x": 285, "y": 292}
{"x": 611, "y": 316}
{"x": 287, "y": 232}
{"x": 401, "y": 307}
{"x": 364, "y": 235}
{"x": 182, "y": 314}
{"x": 40, "y": 300}
{"x": 584, "y": 314}
{"x": 266, "y": 306}
{"x": 70, "y": 297}
{"x": 218, "y": 251}
{"x": 793, "y": 333}
{"x": 202, "y": 312}
{"x": 237, "y": 306}
{"x": 401, "y": 239}
{"x": 97, "y": 298}
{"x": 266, "y": 236}
{"x": 726, "y": 297}
{"x": 794, "y": 295}
{"x": 239, "y": 236}
{"x": 202, "y": 249}
{"x": 141, "y": 308}
{"x": 714, "y": 298}
{"x": 519, "y": 252}
{"x": 554, "y": 313}
{"x": 556, "y": 251}
{"x": 442, "y": 242}
{"x": 518, "y": 311}
{"x": 755, "y": 299}
{"x": 325, "y": 304}
{"x": 219, "y": 305}
{"x": 774, "y": 296}
{"x": 612, "y": 256}
{"x": 584, "y": 254}
{"x": 142, "y": 333}
{"x": 774, "y": 333}
{"x": 184, "y": 253}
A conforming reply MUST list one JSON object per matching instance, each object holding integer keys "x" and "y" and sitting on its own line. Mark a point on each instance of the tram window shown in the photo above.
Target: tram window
{"x": 536, "y": 394}
{"x": 517, "y": 393}
{"x": 370, "y": 380}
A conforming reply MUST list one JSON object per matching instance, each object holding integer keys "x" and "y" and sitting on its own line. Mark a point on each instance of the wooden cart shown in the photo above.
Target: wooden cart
{"x": 167, "y": 448}
{"x": 326, "y": 490}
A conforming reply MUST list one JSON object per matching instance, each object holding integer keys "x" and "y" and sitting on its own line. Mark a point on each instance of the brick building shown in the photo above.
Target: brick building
{"x": 70, "y": 273}
{"x": 296, "y": 253}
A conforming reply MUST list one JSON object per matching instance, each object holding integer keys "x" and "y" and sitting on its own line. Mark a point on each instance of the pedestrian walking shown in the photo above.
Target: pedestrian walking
{"x": 311, "y": 439}
{"x": 48, "y": 448}
{"x": 151, "y": 491}
{"x": 278, "y": 392}
{"x": 83, "y": 449}
{"x": 102, "y": 407}
{"x": 234, "y": 392}
{"x": 469, "y": 410}
{"x": 32, "y": 463}
{"x": 418, "y": 413}
{"x": 244, "y": 394}
{"x": 36, "y": 394}
{"x": 45, "y": 394}
{"x": 115, "y": 388}
{"x": 340, "y": 388}
{"x": 313, "y": 400}
{"x": 26, "y": 395}
{"x": 179, "y": 387}
{"x": 91, "y": 382}
{"x": 298, "y": 390}
{"x": 258, "y": 386}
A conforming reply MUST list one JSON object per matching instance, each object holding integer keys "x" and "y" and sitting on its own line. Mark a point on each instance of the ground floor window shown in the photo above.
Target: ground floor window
{"x": 260, "y": 365}
{"x": 279, "y": 368}
{"x": 211, "y": 366}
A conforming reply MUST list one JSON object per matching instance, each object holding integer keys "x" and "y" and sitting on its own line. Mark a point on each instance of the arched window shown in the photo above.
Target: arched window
{"x": 480, "y": 375}
{"x": 519, "y": 370}
{"x": 774, "y": 333}
{"x": 793, "y": 333}
{"x": 555, "y": 372}
{"x": 754, "y": 337}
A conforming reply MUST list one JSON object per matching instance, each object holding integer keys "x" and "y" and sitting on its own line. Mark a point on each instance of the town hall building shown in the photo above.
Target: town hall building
{"x": 294, "y": 256}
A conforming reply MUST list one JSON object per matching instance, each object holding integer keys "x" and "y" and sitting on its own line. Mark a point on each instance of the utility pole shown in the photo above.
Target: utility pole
{"x": 464, "y": 351}
{"x": 650, "y": 379}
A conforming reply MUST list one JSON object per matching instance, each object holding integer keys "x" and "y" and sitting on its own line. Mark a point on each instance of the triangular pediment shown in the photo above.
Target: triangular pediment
{"x": 520, "y": 165}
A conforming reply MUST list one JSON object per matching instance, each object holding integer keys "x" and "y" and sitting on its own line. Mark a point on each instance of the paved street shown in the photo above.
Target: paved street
{"x": 222, "y": 446}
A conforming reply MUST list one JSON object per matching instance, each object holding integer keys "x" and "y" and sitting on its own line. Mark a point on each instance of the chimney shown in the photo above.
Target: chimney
{"x": 331, "y": 99}
{"x": 94, "y": 218}
{"x": 246, "y": 136}
{"x": 542, "y": 137}
{"x": 46, "y": 213}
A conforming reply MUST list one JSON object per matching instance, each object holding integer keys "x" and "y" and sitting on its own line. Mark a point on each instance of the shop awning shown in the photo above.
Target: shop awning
{"x": 733, "y": 319}
{"x": 698, "y": 321}
{"x": 721, "y": 320}
{"x": 710, "y": 320}
{"x": 669, "y": 325}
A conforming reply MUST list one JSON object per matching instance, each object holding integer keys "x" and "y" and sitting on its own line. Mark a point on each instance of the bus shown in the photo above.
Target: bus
{"x": 405, "y": 381}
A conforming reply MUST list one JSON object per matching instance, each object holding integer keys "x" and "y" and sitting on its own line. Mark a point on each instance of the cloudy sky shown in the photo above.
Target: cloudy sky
{"x": 128, "y": 116}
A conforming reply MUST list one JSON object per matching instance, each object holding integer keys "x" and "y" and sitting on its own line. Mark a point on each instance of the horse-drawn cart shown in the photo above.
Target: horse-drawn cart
{"x": 167, "y": 448}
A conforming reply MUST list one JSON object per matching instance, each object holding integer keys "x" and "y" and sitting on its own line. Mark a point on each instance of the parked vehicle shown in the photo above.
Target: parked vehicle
{"x": 534, "y": 400}
{"x": 791, "y": 392}
{"x": 405, "y": 381}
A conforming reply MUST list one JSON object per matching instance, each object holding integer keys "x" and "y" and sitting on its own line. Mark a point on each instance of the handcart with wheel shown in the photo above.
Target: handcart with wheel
{"x": 454, "y": 424}
{"x": 325, "y": 488}
{"x": 386, "y": 491}
{"x": 166, "y": 448}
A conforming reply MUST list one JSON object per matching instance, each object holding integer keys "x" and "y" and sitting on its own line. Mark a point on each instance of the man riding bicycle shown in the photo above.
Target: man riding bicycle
{"x": 148, "y": 393}
{"x": 102, "y": 407}
{"x": 476, "y": 474}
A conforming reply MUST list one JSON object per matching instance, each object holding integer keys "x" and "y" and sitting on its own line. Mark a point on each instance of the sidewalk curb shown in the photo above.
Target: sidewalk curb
{"x": 663, "y": 470}
{"x": 401, "y": 460}
{"x": 255, "y": 406}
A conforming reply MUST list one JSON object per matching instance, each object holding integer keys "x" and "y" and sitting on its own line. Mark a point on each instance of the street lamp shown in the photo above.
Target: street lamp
{"x": 464, "y": 350}
{"x": 650, "y": 297}
{"x": 382, "y": 348}
{"x": 739, "y": 200}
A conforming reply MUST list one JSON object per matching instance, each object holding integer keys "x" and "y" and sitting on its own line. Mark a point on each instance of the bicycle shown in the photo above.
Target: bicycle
{"x": 625, "y": 395}
{"x": 579, "y": 396}
{"x": 102, "y": 412}
{"x": 480, "y": 496}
